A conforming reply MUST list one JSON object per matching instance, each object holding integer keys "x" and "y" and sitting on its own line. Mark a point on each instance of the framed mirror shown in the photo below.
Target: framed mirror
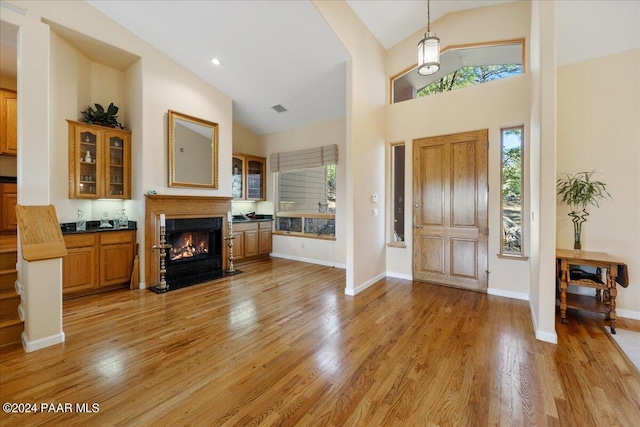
{"x": 193, "y": 151}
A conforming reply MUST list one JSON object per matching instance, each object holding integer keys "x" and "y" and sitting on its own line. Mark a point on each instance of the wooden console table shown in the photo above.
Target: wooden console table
{"x": 604, "y": 300}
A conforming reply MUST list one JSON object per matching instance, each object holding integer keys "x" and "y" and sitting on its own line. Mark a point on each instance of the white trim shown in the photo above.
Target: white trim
{"x": 508, "y": 294}
{"x": 546, "y": 336}
{"x": 38, "y": 344}
{"x": 400, "y": 275}
{"x": 550, "y": 337}
{"x": 309, "y": 260}
{"x": 629, "y": 314}
{"x": 365, "y": 285}
{"x": 142, "y": 285}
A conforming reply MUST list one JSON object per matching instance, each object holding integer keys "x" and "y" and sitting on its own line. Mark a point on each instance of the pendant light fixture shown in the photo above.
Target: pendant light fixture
{"x": 428, "y": 50}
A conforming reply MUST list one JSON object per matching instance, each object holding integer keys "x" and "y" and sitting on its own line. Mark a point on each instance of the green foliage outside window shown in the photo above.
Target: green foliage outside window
{"x": 469, "y": 76}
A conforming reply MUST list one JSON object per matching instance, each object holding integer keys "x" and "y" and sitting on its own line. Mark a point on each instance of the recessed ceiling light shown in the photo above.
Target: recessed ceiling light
{"x": 215, "y": 61}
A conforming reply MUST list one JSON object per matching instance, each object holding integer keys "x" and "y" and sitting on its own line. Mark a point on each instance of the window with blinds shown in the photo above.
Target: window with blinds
{"x": 306, "y": 191}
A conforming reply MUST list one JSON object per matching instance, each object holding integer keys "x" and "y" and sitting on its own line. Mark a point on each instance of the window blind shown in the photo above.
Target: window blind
{"x": 304, "y": 159}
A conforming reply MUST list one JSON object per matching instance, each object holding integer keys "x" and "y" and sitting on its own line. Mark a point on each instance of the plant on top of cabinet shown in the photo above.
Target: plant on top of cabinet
{"x": 99, "y": 162}
{"x": 100, "y": 116}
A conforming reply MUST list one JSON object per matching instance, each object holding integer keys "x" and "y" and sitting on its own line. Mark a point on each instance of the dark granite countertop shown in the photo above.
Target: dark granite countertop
{"x": 93, "y": 227}
{"x": 8, "y": 179}
{"x": 239, "y": 219}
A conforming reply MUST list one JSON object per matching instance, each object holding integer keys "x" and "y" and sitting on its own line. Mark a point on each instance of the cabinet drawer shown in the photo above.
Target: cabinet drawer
{"x": 245, "y": 226}
{"x": 114, "y": 237}
{"x": 265, "y": 225}
{"x": 79, "y": 240}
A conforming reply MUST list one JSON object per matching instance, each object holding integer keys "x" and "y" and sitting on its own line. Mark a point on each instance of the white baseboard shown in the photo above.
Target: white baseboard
{"x": 400, "y": 275}
{"x": 629, "y": 314}
{"x": 309, "y": 260}
{"x": 38, "y": 344}
{"x": 545, "y": 336}
{"x": 508, "y": 294}
{"x": 365, "y": 285}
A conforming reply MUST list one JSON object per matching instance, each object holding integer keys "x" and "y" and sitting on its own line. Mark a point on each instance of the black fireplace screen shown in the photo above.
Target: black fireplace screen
{"x": 196, "y": 250}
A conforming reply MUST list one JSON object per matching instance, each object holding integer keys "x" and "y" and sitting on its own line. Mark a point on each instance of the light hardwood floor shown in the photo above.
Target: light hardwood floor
{"x": 280, "y": 344}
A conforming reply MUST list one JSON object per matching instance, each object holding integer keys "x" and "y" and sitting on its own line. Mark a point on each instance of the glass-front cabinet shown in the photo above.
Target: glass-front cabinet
{"x": 237, "y": 177}
{"x": 99, "y": 162}
{"x": 248, "y": 177}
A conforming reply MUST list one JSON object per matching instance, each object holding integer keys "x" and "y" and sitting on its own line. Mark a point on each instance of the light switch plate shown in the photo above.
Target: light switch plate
{"x": 374, "y": 198}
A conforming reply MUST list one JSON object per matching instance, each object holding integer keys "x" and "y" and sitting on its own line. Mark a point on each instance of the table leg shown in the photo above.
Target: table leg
{"x": 613, "y": 293}
{"x": 563, "y": 292}
{"x": 612, "y": 308}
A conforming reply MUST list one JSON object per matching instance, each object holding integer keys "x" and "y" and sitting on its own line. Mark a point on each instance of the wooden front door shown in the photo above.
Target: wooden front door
{"x": 450, "y": 210}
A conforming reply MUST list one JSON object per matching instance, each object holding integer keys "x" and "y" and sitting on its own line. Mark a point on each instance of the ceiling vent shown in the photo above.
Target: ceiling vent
{"x": 279, "y": 108}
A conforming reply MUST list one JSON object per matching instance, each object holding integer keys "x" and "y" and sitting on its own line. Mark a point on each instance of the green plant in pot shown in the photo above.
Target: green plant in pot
{"x": 579, "y": 191}
{"x": 102, "y": 117}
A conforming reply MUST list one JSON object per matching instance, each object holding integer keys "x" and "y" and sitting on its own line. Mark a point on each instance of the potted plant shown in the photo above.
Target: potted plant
{"x": 102, "y": 117}
{"x": 579, "y": 191}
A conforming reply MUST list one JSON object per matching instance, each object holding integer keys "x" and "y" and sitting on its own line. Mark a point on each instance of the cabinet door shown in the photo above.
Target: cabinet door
{"x": 116, "y": 257}
{"x": 237, "y": 177}
{"x": 8, "y": 202}
{"x": 265, "y": 241}
{"x": 84, "y": 160}
{"x": 9, "y": 115}
{"x": 79, "y": 266}
{"x": 255, "y": 178}
{"x": 250, "y": 243}
{"x": 238, "y": 245}
{"x": 117, "y": 166}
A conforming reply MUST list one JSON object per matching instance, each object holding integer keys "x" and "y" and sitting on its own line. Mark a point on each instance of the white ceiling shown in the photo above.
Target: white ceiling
{"x": 272, "y": 52}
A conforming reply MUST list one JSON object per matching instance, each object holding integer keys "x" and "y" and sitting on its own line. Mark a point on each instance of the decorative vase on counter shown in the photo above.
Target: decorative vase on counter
{"x": 81, "y": 223}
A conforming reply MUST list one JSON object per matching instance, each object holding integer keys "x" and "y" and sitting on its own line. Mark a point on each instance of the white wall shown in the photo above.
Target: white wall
{"x": 365, "y": 153}
{"x": 598, "y": 128}
{"x": 146, "y": 91}
{"x": 489, "y": 106}
{"x": 313, "y": 135}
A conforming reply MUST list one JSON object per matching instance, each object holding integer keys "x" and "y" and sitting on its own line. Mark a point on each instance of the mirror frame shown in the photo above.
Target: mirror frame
{"x": 172, "y": 117}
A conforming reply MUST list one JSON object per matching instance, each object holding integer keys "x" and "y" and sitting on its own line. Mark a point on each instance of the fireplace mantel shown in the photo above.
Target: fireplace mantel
{"x": 177, "y": 206}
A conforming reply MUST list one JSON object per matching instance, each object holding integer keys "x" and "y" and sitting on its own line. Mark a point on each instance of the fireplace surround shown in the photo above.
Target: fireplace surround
{"x": 188, "y": 218}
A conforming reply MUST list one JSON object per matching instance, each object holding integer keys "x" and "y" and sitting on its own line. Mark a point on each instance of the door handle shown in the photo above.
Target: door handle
{"x": 418, "y": 226}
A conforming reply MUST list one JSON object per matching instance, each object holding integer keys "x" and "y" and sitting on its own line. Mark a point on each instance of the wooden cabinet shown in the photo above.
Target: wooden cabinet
{"x": 99, "y": 162}
{"x": 248, "y": 177}
{"x": 265, "y": 238}
{"x": 253, "y": 239}
{"x": 97, "y": 261}
{"x": 8, "y": 122}
{"x": 79, "y": 266}
{"x": 8, "y": 202}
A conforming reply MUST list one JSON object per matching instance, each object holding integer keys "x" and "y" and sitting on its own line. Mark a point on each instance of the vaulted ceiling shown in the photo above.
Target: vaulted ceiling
{"x": 271, "y": 52}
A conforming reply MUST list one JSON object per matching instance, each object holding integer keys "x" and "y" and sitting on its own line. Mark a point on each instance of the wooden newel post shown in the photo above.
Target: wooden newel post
{"x": 40, "y": 276}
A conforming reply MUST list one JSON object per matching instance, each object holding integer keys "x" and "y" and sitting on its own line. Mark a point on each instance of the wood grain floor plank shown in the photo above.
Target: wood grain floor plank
{"x": 282, "y": 345}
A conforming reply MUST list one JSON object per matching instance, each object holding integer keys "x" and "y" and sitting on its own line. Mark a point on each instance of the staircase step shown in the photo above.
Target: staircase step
{"x": 9, "y": 301}
{"x": 8, "y": 259}
{"x": 11, "y": 332}
{"x": 8, "y": 279}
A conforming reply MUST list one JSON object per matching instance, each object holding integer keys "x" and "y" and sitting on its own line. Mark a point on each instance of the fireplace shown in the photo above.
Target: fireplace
{"x": 203, "y": 214}
{"x": 196, "y": 251}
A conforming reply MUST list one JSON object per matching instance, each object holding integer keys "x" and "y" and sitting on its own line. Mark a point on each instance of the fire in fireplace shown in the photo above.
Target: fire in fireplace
{"x": 189, "y": 245}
